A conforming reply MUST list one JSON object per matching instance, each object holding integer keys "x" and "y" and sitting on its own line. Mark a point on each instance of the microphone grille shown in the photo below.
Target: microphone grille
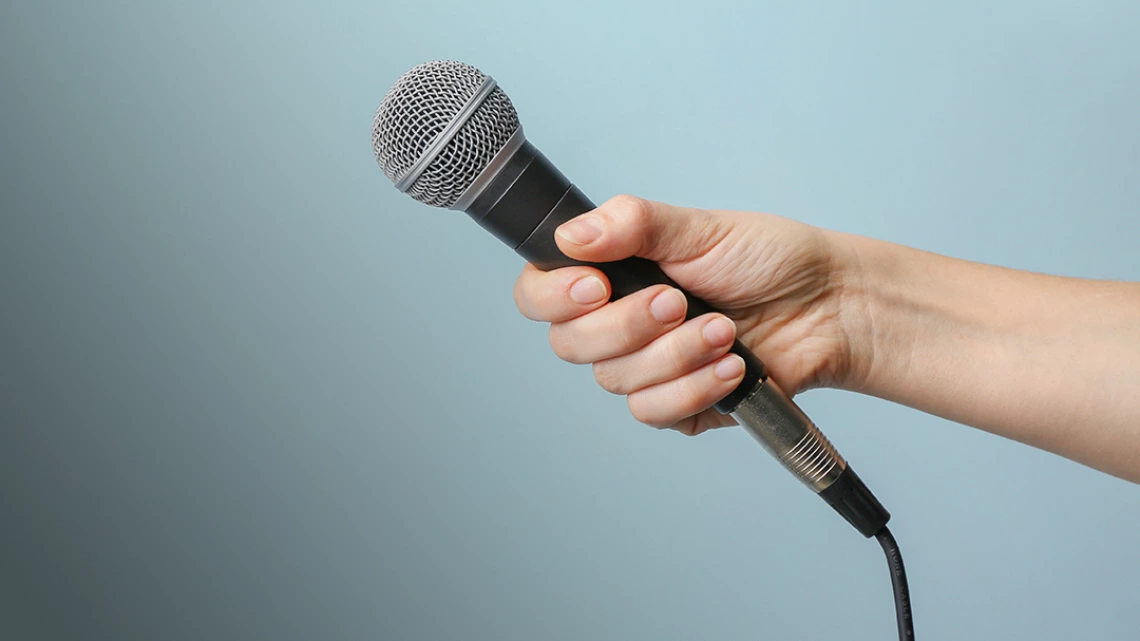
{"x": 419, "y": 107}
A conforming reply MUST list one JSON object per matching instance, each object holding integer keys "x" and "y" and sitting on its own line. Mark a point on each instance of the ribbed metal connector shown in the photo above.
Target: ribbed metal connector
{"x": 789, "y": 435}
{"x": 813, "y": 458}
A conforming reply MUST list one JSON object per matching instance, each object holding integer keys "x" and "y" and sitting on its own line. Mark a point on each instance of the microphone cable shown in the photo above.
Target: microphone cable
{"x": 898, "y": 583}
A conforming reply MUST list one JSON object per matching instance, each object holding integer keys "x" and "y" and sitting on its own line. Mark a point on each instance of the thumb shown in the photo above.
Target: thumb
{"x": 627, "y": 226}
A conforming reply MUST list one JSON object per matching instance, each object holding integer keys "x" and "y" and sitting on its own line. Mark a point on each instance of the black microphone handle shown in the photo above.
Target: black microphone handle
{"x": 530, "y": 198}
{"x": 526, "y": 198}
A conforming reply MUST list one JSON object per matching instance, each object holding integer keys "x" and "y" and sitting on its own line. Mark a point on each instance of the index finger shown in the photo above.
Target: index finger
{"x": 560, "y": 294}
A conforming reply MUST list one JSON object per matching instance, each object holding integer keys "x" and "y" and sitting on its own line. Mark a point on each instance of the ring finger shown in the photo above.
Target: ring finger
{"x": 688, "y": 347}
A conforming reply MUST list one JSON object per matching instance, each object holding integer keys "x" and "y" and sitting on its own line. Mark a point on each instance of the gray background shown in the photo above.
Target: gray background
{"x": 250, "y": 391}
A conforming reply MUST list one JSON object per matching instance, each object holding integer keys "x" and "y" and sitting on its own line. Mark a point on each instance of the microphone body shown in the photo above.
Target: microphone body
{"x": 521, "y": 198}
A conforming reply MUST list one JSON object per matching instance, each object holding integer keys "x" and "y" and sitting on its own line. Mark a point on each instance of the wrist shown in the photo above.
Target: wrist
{"x": 1039, "y": 359}
{"x": 877, "y": 311}
{"x": 913, "y": 317}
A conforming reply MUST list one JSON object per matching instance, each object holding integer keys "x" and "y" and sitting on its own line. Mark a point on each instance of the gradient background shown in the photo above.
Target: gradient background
{"x": 250, "y": 391}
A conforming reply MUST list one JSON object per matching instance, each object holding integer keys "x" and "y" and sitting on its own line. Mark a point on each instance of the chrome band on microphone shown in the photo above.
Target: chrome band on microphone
{"x": 489, "y": 172}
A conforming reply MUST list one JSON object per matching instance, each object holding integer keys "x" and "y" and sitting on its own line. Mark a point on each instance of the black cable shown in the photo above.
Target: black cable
{"x": 898, "y": 582}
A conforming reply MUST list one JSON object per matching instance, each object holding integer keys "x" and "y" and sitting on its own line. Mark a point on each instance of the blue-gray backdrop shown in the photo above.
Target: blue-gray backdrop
{"x": 242, "y": 396}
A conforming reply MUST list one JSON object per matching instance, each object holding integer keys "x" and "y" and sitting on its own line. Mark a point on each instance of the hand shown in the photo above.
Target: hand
{"x": 779, "y": 284}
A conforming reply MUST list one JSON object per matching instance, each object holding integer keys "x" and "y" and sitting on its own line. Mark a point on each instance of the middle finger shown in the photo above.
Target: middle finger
{"x": 619, "y": 327}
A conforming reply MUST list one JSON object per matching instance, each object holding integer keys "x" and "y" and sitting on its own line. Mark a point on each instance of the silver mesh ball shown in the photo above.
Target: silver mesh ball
{"x": 418, "y": 107}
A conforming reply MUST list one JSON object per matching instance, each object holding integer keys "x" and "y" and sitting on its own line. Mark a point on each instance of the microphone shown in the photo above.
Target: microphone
{"x": 448, "y": 136}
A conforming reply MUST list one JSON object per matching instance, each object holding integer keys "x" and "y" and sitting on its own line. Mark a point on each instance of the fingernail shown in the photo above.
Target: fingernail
{"x": 729, "y": 368}
{"x": 667, "y": 306}
{"x": 719, "y": 331}
{"x": 587, "y": 290}
{"x": 582, "y": 230}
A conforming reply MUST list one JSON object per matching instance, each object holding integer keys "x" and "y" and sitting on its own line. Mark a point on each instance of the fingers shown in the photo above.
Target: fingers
{"x": 628, "y": 226}
{"x": 674, "y": 403}
{"x": 619, "y": 327}
{"x": 694, "y": 344}
{"x": 561, "y": 294}
{"x": 672, "y": 371}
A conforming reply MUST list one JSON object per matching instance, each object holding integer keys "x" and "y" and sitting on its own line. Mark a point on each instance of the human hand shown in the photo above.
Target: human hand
{"x": 778, "y": 283}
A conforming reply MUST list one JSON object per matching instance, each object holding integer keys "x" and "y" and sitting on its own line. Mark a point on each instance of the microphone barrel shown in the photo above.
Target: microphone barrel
{"x": 522, "y": 198}
{"x": 530, "y": 198}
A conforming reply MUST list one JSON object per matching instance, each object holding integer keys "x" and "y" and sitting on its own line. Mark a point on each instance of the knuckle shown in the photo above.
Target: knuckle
{"x": 631, "y": 209}
{"x": 675, "y": 354}
{"x": 642, "y": 414}
{"x": 689, "y": 394}
{"x": 542, "y": 298}
{"x": 624, "y": 327}
{"x": 522, "y": 300}
{"x": 637, "y": 410}
{"x": 563, "y": 343}
{"x": 609, "y": 378}
{"x": 688, "y": 426}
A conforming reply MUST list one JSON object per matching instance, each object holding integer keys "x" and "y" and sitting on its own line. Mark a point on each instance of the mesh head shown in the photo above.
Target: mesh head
{"x": 418, "y": 107}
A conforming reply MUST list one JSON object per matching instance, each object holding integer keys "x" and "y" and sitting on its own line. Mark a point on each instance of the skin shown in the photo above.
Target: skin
{"x": 1048, "y": 361}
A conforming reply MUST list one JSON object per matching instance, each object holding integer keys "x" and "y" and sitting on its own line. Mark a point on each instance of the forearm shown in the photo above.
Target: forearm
{"x": 1052, "y": 362}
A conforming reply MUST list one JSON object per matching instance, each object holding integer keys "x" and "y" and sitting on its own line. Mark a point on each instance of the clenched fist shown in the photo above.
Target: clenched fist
{"x": 779, "y": 284}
